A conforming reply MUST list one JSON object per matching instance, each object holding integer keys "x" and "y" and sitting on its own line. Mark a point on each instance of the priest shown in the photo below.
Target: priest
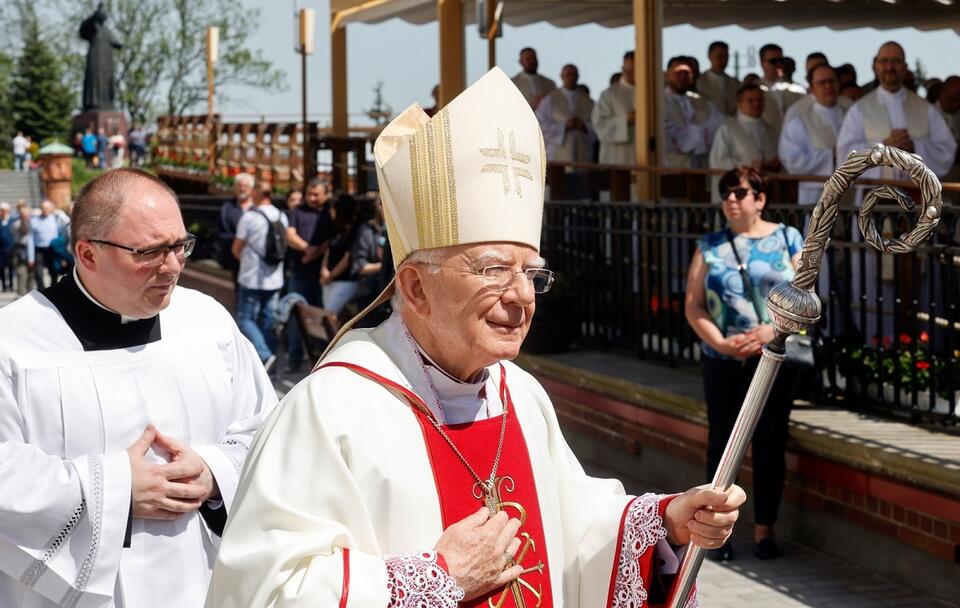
{"x": 894, "y": 115}
{"x": 745, "y": 140}
{"x": 613, "y": 118}
{"x": 417, "y": 466}
{"x": 127, "y": 405}
{"x": 809, "y": 138}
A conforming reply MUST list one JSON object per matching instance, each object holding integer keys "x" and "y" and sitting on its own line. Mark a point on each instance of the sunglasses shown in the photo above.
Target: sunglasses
{"x": 739, "y": 193}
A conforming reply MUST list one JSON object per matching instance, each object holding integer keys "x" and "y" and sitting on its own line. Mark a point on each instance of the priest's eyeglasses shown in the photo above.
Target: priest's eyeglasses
{"x": 500, "y": 278}
{"x": 155, "y": 256}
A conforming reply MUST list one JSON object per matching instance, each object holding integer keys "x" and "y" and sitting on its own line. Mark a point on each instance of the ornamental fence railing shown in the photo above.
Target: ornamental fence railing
{"x": 890, "y": 333}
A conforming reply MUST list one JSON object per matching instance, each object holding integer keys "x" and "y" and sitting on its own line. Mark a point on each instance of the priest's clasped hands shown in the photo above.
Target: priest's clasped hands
{"x": 167, "y": 491}
{"x": 478, "y": 548}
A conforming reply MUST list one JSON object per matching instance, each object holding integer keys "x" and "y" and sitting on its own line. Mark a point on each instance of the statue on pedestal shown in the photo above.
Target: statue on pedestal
{"x": 99, "y": 85}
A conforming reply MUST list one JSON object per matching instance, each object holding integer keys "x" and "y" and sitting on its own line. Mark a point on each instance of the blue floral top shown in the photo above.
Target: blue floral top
{"x": 768, "y": 262}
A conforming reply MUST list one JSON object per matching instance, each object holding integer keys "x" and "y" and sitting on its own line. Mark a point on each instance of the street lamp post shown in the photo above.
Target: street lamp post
{"x": 213, "y": 44}
{"x": 304, "y": 48}
{"x": 794, "y": 307}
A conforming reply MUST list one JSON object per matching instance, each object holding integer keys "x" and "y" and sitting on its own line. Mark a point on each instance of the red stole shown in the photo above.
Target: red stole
{"x": 477, "y": 441}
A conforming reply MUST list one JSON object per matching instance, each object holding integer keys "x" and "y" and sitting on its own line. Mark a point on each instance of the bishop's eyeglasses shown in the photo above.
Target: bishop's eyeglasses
{"x": 500, "y": 278}
{"x": 154, "y": 256}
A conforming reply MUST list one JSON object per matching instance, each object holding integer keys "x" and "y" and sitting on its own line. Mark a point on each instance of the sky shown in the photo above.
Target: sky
{"x": 404, "y": 56}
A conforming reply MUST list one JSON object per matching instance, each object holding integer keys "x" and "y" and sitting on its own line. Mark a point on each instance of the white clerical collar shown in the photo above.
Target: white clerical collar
{"x": 459, "y": 401}
{"x": 624, "y": 83}
{"x": 899, "y": 95}
{"x": 750, "y": 120}
{"x": 83, "y": 290}
{"x": 822, "y": 109}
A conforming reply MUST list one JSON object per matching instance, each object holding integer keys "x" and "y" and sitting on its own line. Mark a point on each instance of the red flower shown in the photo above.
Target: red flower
{"x": 905, "y": 339}
{"x": 923, "y": 365}
{"x": 924, "y": 336}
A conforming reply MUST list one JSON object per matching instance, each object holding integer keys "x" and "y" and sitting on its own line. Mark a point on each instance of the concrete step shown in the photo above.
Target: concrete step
{"x": 17, "y": 185}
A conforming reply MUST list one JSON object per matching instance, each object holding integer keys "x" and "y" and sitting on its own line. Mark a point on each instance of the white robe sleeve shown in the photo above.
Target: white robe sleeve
{"x": 723, "y": 153}
{"x": 609, "y": 124}
{"x": 62, "y": 522}
{"x": 553, "y": 131}
{"x": 797, "y": 154}
{"x": 253, "y": 397}
{"x": 686, "y": 138}
{"x": 287, "y": 546}
{"x": 939, "y": 149}
{"x": 617, "y": 537}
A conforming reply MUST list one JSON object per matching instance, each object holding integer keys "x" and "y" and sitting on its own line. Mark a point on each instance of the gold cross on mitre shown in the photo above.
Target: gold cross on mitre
{"x": 512, "y": 163}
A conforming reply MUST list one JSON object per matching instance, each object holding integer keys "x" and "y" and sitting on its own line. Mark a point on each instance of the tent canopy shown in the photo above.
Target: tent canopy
{"x": 750, "y": 14}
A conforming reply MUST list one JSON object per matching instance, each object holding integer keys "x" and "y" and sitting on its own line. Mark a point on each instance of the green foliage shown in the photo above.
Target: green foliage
{"x": 40, "y": 102}
{"x": 380, "y": 112}
{"x": 6, "y": 78}
{"x": 911, "y": 365}
{"x": 81, "y": 175}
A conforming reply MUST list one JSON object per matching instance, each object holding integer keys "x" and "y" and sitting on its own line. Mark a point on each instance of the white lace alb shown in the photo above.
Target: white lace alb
{"x": 417, "y": 580}
{"x": 642, "y": 529}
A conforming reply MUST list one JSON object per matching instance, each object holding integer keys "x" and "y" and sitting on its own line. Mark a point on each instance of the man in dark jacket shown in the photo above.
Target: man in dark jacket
{"x": 230, "y": 214}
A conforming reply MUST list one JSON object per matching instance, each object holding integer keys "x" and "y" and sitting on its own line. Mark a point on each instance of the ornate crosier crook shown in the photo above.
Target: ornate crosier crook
{"x": 794, "y": 306}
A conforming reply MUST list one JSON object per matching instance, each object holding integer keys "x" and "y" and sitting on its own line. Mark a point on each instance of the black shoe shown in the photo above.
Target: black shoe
{"x": 723, "y": 554}
{"x": 766, "y": 548}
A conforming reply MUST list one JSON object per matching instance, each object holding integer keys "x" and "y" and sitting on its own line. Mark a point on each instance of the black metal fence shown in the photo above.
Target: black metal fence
{"x": 890, "y": 333}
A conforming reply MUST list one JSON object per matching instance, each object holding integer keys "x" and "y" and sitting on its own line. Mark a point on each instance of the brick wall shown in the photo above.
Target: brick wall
{"x": 917, "y": 517}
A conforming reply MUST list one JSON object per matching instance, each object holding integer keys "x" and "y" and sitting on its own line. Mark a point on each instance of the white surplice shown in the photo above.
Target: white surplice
{"x": 741, "y": 141}
{"x": 340, "y": 482}
{"x": 617, "y": 138}
{"x": 807, "y": 145}
{"x": 871, "y": 119}
{"x": 533, "y": 86}
{"x": 553, "y": 113}
{"x": 777, "y": 99}
{"x": 720, "y": 89}
{"x": 67, "y": 417}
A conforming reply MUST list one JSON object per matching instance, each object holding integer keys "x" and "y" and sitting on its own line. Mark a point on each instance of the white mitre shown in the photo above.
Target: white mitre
{"x": 472, "y": 173}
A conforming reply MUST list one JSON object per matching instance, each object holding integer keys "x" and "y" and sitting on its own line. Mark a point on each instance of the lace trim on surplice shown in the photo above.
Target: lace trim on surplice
{"x": 416, "y": 579}
{"x": 642, "y": 529}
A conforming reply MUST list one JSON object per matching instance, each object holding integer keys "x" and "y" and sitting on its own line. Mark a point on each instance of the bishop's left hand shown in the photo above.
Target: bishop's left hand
{"x": 180, "y": 452}
{"x": 703, "y": 516}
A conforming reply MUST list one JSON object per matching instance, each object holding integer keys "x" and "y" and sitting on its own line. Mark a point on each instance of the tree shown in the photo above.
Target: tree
{"x": 186, "y": 51}
{"x": 163, "y": 59}
{"x": 40, "y": 102}
{"x": 6, "y": 116}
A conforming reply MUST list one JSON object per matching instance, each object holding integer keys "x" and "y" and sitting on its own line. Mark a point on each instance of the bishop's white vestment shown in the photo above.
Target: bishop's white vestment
{"x": 78, "y": 385}
{"x": 562, "y": 144}
{"x": 808, "y": 144}
{"x": 349, "y": 486}
{"x": 616, "y": 135}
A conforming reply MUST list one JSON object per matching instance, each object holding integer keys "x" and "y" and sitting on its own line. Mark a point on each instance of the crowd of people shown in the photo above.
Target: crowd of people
{"x": 34, "y": 246}
{"x": 326, "y": 248}
{"x": 766, "y": 121}
{"x": 103, "y": 151}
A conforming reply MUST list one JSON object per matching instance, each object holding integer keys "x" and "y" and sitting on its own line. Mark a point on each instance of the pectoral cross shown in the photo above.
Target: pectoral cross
{"x": 516, "y": 586}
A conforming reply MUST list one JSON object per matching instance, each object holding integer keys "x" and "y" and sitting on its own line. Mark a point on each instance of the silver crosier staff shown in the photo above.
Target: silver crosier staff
{"x": 794, "y": 307}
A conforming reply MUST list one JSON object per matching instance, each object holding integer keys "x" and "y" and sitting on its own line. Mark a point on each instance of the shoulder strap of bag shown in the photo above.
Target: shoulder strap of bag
{"x": 744, "y": 276}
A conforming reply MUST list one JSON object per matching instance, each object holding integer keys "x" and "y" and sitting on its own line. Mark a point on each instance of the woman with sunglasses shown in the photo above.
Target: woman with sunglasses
{"x": 727, "y": 310}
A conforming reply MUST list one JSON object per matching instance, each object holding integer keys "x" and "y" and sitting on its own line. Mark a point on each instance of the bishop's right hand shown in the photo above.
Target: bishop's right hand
{"x": 154, "y": 493}
{"x": 476, "y": 549}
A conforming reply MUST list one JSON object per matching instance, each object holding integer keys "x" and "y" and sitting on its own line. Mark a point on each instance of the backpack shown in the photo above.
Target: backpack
{"x": 275, "y": 243}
